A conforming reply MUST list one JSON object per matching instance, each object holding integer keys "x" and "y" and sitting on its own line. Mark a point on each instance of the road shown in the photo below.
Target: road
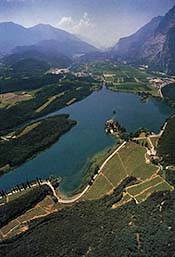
{"x": 160, "y": 92}
{"x": 77, "y": 197}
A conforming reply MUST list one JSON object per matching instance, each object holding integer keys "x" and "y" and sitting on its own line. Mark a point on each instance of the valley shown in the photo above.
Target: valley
{"x": 87, "y": 149}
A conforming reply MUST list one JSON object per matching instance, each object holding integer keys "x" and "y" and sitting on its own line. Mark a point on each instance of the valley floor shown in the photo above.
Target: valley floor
{"x": 127, "y": 176}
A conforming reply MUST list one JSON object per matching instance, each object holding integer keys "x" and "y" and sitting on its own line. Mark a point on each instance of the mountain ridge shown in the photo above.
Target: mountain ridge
{"x": 151, "y": 44}
{"x": 13, "y": 35}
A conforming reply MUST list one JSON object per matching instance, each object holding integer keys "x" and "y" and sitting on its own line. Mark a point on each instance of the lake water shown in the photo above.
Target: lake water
{"x": 68, "y": 156}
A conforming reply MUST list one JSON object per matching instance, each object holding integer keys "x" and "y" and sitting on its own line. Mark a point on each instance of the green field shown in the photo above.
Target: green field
{"x": 134, "y": 161}
{"x": 137, "y": 189}
{"x": 164, "y": 186}
{"x": 123, "y": 78}
{"x": 100, "y": 188}
{"x": 6, "y": 229}
{"x": 132, "y": 87}
{"x": 115, "y": 171}
{"x": 129, "y": 161}
{"x": 31, "y": 214}
{"x": 140, "y": 192}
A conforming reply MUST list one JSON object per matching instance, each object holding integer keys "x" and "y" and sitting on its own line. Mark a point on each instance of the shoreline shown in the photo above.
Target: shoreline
{"x": 83, "y": 187}
{"x": 45, "y": 147}
{"x": 97, "y": 159}
{"x": 85, "y": 175}
{"x": 76, "y": 195}
{"x": 62, "y": 198}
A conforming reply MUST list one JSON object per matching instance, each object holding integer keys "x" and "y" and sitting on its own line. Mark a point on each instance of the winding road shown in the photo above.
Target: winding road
{"x": 77, "y": 197}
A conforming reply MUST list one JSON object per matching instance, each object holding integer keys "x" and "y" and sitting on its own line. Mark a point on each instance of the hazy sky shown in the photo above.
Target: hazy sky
{"x": 102, "y": 22}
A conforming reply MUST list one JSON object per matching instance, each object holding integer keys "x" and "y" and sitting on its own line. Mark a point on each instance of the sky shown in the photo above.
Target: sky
{"x": 100, "y": 22}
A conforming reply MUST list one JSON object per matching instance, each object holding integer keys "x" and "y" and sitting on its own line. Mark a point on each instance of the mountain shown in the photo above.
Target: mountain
{"x": 153, "y": 44}
{"x": 132, "y": 46}
{"x": 13, "y": 35}
{"x": 36, "y": 59}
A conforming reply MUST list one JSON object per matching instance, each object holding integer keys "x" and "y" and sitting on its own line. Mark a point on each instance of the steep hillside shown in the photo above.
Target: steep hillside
{"x": 153, "y": 44}
{"x": 165, "y": 60}
{"x": 94, "y": 229}
{"x": 131, "y": 47}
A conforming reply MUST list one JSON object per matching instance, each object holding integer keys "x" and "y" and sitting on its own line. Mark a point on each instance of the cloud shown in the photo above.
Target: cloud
{"x": 80, "y": 26}
{"x": 66, "y": 21}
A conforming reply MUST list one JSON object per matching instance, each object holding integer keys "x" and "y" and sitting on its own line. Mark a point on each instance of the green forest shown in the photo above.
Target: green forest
{"x": 32, "y": 139}
{"x": 94, "y": 229}
{"x": 166, "y": 146}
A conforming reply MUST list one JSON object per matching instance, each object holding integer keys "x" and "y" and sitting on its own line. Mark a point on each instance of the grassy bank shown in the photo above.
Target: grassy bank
{"x": 25, "y": 143}
{"x": 89, "y": 170}
{"x": 133, "y": 87}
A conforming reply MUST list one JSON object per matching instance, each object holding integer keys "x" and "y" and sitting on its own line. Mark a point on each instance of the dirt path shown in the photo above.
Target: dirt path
{"x": 113, "y": 187}
{"x": 122, "y": 164}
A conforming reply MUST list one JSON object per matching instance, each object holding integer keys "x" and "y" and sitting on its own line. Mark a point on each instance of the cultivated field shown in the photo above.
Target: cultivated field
{"x": 129, "y": 161}
{"x": 9, "y": 99}
{"x": 123, "y": 78}
{"x": 143, "y": 190}
{"x": 19, "y": 224}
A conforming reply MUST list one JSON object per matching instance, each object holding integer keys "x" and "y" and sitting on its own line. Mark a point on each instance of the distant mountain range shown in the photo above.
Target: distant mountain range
{"x": 13, "y": 35}
{"x": 39, "y": 47}
{"x": 153, "y": 44}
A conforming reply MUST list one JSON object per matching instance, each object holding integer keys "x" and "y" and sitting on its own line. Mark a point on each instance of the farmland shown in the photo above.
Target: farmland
{"x": 10, "y": 99}
{"x": 130, "y": 80}
{"x": 122, "y": 78}
{"x": 129, "y": 161}
{"x": 45, "y": 98}
{"x": 143, "y": 190}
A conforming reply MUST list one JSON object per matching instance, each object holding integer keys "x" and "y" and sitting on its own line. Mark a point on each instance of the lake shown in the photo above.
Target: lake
{"x": 68, "y": 157}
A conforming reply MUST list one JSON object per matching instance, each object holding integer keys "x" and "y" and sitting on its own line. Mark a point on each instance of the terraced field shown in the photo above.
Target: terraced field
{"x": 129, "y": 161}
{"x": 141, "y": 191}
{"x": 164, "y": 186}
{"x": 141, "y": 187}
{"x": 19, "y": 224}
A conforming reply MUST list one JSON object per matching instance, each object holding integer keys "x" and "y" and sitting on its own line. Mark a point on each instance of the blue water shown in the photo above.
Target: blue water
{"x": 68, "y": 156}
